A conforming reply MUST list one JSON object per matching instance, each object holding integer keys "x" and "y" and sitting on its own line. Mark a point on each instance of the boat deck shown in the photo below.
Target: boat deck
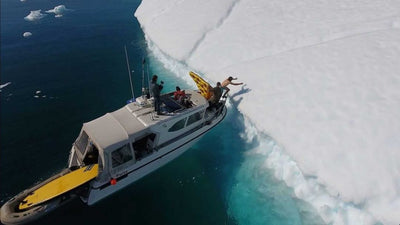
{"x": 146, "y": 114}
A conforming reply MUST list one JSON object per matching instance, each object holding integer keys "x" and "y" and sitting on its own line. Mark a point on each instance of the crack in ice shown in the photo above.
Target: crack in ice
{"x": 205, "y": 34}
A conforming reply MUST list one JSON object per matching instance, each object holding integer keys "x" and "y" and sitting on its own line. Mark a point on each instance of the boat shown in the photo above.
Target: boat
{"x": 118, "y": 148}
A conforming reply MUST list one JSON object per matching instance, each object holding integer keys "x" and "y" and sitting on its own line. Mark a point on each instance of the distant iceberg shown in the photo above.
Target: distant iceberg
{"x": 27, "y": 34}
{"x": 324, "y": 85}
{"x": 59, "y": 11}
{"x": 35, "y": 15}
{"x": 4, "y": 85}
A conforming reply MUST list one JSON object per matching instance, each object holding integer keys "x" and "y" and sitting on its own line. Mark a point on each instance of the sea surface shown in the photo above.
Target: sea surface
{"x": 73, "y": 70}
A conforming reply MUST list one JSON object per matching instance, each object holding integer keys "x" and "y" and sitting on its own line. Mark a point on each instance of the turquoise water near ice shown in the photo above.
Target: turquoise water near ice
{"x": 77, "y": 63}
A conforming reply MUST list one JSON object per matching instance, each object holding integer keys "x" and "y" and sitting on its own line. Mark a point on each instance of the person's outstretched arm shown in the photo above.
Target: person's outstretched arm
{"x": 236, "y": 83}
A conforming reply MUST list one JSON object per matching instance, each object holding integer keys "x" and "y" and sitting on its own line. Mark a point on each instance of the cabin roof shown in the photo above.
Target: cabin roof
{"x": 113, "y": 128}
{"x": 117, "y": 127}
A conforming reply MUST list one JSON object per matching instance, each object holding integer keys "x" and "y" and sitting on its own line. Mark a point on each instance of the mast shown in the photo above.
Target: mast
{"x": 148, "y": 77}
{"x": 143, "y": 87}
{"x": 129, "y": 71}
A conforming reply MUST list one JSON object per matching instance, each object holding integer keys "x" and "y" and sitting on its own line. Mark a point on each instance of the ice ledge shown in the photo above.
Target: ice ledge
{"x": 332, "y": 209}
{"x": 324, "y": 77}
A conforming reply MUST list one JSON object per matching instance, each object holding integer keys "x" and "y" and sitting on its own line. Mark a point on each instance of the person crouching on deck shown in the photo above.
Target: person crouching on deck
{"x": 179, "y": 95}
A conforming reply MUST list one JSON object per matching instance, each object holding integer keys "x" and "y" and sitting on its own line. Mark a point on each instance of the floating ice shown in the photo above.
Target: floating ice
{"x": 324, "y": 84}
{"x": 59, "y": 11}
{"x": 27, "y": 34}
{"x": 4, "y": 85}
{"x": 38, "y": 92}
{"x": 35, "y": 15}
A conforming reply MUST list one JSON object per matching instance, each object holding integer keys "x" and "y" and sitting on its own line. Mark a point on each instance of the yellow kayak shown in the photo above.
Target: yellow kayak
{"x": 60, "y": 186}
{"x": 203, "y": 86}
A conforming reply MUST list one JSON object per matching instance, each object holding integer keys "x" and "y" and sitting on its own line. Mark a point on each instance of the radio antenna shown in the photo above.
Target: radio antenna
{"x": 143, "y": 87}
{"x": 129, "y": 71}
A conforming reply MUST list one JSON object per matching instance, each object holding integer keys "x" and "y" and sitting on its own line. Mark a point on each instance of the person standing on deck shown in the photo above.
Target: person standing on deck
{"x": 216, "y": 94}
{"x": 155, "y": 91}
{"x": 225, "y": 84}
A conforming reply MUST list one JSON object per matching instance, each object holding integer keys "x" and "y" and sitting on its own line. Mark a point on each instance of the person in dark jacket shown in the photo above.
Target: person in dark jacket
{"x": 155, "y": 91}
{"x": 216, "y": 94}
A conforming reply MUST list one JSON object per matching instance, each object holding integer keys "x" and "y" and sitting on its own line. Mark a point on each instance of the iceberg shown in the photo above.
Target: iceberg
{"x": 35, "y": 15}
{"x": 59, "y": 11}
{"x": 4, "y": 85}
{"x": 27, "y": 34}
{"x": 324, "y": 85}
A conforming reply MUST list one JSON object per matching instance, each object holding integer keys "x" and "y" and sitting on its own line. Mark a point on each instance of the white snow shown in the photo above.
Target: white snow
{"x": 322, "y": 80}
{"x": 35, "y": 15}
{"x": 59, "y": 10}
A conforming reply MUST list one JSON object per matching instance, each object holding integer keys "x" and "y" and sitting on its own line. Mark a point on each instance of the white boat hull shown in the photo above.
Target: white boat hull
{"x": 150, "y": 164}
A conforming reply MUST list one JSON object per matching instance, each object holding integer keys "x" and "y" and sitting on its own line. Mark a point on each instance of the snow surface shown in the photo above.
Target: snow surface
{"x": 322, "y": 79}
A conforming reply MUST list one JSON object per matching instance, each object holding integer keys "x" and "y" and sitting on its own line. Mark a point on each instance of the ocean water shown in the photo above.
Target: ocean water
{"x": 72, "y": 70}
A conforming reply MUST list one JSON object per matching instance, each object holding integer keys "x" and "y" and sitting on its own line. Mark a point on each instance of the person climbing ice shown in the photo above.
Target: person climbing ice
{"x": 225, "y": 84}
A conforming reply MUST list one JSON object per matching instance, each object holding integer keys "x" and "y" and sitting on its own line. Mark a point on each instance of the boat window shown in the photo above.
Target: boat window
{"x": 82, "y": 141}
{"x": 92, "y": 155}
{"x": 178, "y": 125}
{"x": 194, "y": 118}
{"x": 144, "y": 146}
{"x": 121, "y": 156}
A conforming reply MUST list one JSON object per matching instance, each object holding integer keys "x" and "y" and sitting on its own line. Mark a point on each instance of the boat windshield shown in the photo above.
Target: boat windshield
{"x": 81, "y": 142}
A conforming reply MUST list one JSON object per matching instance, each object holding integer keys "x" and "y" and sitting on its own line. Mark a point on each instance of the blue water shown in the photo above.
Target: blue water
{"x": 77, "y": 63}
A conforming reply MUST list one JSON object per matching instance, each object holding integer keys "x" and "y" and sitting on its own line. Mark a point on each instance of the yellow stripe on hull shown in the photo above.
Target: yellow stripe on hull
{"x": 60, "y": 186}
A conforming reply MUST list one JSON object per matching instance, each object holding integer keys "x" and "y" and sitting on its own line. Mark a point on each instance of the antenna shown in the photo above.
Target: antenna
{"x": 129, "y": 71}
{"x": 148, "y": 76}
{"x": 143, "y": 88}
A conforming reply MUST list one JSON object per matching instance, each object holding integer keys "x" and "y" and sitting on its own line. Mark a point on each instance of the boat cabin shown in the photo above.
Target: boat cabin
{"x": 122, "y": 140}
